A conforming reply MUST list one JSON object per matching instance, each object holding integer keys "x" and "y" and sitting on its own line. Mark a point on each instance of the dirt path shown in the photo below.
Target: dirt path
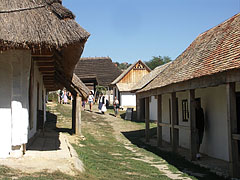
{"x": 120, "y": 126}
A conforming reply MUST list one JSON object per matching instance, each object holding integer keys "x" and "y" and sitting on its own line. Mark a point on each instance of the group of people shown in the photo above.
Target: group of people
{"x": 64, "y": 97}
{"x": 103, "y": 103}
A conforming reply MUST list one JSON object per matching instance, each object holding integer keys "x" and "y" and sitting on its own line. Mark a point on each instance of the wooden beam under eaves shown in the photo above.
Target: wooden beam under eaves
{"x": 46, "y": 69}
{"x": 43, "y": 59}
{"x": 45, "y": 64}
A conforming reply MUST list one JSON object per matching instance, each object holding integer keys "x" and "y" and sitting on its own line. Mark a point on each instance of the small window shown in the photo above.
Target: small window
{"x": 185, "y": 113}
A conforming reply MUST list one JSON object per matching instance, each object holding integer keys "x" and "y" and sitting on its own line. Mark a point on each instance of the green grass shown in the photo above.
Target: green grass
{"x": 106, "y": 158}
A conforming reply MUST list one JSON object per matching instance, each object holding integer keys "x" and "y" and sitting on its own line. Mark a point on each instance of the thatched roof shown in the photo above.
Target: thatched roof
{"x": 125, "y": 87}
{"x": 102, "y": 68}
{"x": 80, "y": 86}
{"x": 149, "y": 77}
{"x": 34, "y": 23}
{"x": 213, "y": 51}
{"x": 124, "y": 73}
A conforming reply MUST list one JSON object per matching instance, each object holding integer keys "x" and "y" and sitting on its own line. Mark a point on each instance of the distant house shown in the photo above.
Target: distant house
{"x": 97, "y": 71}
{"x": 123, "y": 84}
{"x": 40, "y": 44}
{"x": 208, "y": 71}
{"x": 153, "y": 99}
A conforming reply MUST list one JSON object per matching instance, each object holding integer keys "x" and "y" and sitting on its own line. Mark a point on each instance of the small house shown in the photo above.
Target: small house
{"x": 123, "y": 84}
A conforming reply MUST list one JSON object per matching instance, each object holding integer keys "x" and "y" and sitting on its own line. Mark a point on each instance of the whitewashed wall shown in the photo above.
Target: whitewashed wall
{"x": 184, "y": 135}
{"x": 14, "y": 102}
{"x": 153, "y": 108}
{"x": 127, "y": 99}
{"x": 5, "y": 105}
{"x": 37, "y": 79}
{"x": 166, "y": 117}
{"x": 214, "y": 104}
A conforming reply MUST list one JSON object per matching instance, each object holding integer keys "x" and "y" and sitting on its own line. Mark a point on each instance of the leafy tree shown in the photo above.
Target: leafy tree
{"x": 157, "y": 61}
{"x": 122, "y": 66}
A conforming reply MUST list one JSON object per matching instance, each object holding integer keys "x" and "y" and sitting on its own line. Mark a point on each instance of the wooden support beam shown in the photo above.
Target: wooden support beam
{"x": 147, "y": 119}
{"x": 159, "y": 120}
{"x": 43, "y": 59}
{"x": 193, "y": 131}
{"x": 46, "y": 69}
{"x": 45, "y": 64}
{"x": 232, "y": 129}
{"x": 74, "y": 114}
{"x": 78, "y": 115}
{"x": 138, "y": 108}
{"x": 165, "y": 125}
{"x": 174, "y": 132}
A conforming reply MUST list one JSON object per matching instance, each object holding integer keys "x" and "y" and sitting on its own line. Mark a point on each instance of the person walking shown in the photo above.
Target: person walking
{"x": 116, "y": 106}
{"x": 199, "y": 126}
{"x": 90, "y": 100}
{"x": 100, "y": 102}
{"x": 65, "y": 98}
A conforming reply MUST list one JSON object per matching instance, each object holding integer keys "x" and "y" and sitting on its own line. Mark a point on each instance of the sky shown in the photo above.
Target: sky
{"x": 129, "y": 30}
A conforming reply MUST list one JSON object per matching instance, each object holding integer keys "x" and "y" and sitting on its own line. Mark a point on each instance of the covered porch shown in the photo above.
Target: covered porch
{"x": 176, "y": 131}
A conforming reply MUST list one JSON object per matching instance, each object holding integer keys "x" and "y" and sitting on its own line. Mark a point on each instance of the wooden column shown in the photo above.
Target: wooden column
{"x": 74, "y": 114}
{"x": 175, "y": 134}
{"x": 159, "y": 120}
{"x": 78, "y": 115}
{"x": 147, "y": 119}
{"x": 193, "y": 133}
{"x": 232, "y": 129}
{"x": 138, "y": 108}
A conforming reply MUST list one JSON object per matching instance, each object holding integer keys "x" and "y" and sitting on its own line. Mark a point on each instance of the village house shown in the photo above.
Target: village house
{"x": 208, "y": 71}
{"x": 40, "y": 46}
{"x": 99, "y": 71}
{"x": 123, "y": 84}
{"x": 152, "y": 100}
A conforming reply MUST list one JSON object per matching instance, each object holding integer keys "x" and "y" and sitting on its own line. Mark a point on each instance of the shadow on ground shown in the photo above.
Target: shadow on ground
{"x": 48, "y": 138}
{"x": 172, "y": 158}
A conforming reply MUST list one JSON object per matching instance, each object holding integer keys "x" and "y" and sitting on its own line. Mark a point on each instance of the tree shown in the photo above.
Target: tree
{"x": 157, "y": 61}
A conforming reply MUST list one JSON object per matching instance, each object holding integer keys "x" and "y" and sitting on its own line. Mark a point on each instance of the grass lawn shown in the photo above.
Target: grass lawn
{"x": 108, "y": 155}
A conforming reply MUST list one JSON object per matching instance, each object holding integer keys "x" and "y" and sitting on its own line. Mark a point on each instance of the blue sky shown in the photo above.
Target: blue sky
{"x": 128, "y": 30}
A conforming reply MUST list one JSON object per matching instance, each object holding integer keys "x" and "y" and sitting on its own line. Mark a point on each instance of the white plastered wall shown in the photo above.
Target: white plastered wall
{"x": 214, "y": 104}
{"x": 153, "y": 108}
{"x": 37, "y": 79}
{"x": 5, "y": 105}
{"x": 184, "y": 135}
{"x": 14, "y": 99}
{"x": 166, "y": 117}
{"x": 127, "y": 99}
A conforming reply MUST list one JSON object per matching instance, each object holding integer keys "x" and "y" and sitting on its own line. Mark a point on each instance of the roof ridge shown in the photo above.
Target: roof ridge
{"x": 23, "y": 9}
{"x": 219, "y": 24}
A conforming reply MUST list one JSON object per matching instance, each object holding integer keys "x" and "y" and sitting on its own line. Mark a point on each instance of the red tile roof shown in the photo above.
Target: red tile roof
{"x": 213, "y": 51}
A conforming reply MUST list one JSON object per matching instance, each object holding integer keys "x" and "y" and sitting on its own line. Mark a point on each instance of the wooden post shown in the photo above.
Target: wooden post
{"x": 175, "y": 134}
{"x": 74, "y": 114}
{"x": 232, "y": 129}
{"x": 147, "y": 119}
{"x": 138, "y": 108}
{"x": 193, "y": 132}
{"x": 159, "y": 120}
{"x": 78, "y": 115}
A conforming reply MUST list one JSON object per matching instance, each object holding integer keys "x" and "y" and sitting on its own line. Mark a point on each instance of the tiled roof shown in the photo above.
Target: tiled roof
{"x": 100, "y": 67}
{"x": 127, "y": 70}
{"x": 149, "y": 77}
{"x": 213, "y": 51}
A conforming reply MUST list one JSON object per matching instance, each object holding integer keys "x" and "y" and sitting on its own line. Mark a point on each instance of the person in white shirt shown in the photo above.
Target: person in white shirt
{"x": 116, "y": 105}
{"x": 90, "y": 100}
